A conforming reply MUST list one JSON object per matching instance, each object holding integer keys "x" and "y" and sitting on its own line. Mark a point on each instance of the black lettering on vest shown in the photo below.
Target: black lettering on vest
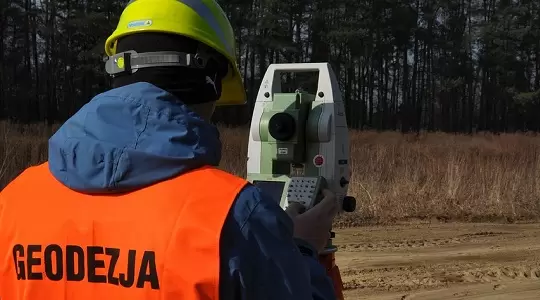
{"x": 127, "y": 280}
{"x": 94, "y": 263}
{"x": 148, "y": 271}
{"x": 32, "y": 261}
{"x": 56, "y": 251}
{"x": 74, "y": 257}
{"x": 114, "y": 253}
{"x": 18, "y": 253}
{"x": 80, "y": 264}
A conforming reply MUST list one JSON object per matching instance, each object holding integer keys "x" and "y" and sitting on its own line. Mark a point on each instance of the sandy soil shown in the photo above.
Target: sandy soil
{"x": 446, "y": 261}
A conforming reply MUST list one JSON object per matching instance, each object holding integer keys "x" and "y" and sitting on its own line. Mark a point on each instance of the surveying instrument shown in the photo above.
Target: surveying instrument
{"x": 299, "y": 145}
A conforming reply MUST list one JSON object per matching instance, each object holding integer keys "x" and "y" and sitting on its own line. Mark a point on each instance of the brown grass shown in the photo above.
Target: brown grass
{"x": 432, "y": 176}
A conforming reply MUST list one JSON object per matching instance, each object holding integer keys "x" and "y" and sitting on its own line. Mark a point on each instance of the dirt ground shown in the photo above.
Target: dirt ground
{"x": 443, "y": 261}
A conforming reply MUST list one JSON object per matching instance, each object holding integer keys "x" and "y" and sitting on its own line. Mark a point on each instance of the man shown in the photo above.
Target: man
{"x": 130, "y": 205}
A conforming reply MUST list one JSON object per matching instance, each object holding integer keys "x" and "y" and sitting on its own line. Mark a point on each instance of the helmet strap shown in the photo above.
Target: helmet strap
{"x": 129, "y": 62}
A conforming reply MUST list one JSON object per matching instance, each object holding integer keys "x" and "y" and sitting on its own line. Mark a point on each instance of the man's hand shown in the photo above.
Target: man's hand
{"x": 313, "y": 226}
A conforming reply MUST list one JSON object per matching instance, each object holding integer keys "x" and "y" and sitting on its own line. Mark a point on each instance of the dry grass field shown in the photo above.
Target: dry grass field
{"x": 411, "y": 192}
{"x": 432, "y": 176}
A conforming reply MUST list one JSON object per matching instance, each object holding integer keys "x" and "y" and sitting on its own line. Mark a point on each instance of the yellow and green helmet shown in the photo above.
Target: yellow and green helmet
{"x": 201, "y": 20}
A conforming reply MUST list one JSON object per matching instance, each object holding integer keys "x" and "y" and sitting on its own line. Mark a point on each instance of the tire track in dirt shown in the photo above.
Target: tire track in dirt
{"x": 436, "y": 242}
{"x": 379, "y": 261}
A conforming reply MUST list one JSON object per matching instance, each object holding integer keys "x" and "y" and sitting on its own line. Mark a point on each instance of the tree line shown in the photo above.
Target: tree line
{"x": 409, "y": 65}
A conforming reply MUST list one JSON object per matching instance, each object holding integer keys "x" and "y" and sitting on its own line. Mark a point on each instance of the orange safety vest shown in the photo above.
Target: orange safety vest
{"x": 160, "y": 242}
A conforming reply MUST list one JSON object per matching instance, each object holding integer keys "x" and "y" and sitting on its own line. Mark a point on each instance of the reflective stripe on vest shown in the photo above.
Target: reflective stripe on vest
{"x": 161, "y": 242}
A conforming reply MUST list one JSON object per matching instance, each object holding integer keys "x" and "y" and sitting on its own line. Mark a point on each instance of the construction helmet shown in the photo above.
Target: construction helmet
{"x": 201, "y": 20}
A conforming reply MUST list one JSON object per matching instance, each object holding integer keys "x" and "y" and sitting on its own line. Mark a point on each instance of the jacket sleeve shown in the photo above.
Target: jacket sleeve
{"x": 261, "y": 260}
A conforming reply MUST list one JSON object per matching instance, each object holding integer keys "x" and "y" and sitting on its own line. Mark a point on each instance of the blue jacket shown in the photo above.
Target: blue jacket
{"x": 136, "y": 135}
